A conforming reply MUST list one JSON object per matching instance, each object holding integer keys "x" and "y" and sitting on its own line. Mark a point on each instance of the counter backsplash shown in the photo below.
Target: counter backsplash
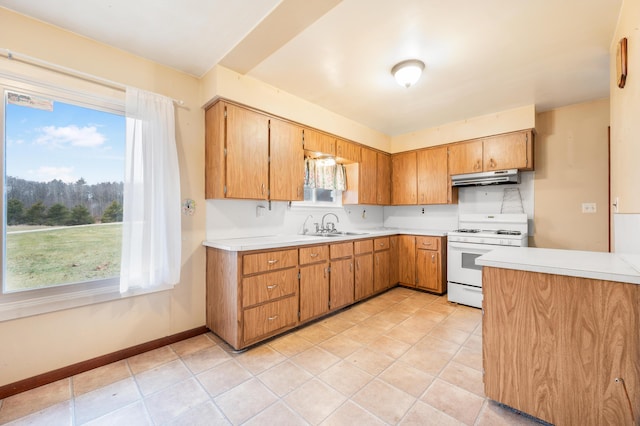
{"x": 250, "y": 218}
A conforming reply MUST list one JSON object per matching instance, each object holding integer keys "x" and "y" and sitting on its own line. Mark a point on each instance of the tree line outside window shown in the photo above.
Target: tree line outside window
{"x": 57, "y": 203}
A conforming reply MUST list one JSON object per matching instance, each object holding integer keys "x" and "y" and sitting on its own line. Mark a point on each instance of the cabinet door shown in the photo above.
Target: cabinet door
{"x": 428, "y": 270}
{"x": 394, "y": 270}
{"x": 247, "y": 154}
{"x": 367, "y": 187}
{"x": 465, "y": 157}
{"x": 341, "y": 283}
{"x": 433, "y": 178}
{"x": 314, "y": 290}
{"x": 380, "y": 270}
{"x": 286, "y": 169}
{"x": 509, "y": 151}
{"x": 384, "y": 179}
{"x": 214, "y": 176}
{"x": 319, "y": 142}
{"x": 404, "y": 183}
{"x": 407, "y": 259}
{"x": 347, "y": 151}
{"x": 364, "y": 276}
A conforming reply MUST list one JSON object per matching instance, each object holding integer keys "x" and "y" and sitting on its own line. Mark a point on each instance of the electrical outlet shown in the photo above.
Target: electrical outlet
{"x": 588, "y": 207}
{"x": 423, "y": 210}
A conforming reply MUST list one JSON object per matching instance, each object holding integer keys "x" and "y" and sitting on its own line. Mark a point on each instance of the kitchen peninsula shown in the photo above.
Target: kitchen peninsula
{"x": 560, "y": 335}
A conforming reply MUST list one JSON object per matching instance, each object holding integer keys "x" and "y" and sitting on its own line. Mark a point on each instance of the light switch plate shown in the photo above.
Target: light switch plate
{"x": 588, "y": 207}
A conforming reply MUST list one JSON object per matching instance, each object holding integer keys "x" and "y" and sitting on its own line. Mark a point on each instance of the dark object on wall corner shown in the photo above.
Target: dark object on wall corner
{"x": 621, "y": 62}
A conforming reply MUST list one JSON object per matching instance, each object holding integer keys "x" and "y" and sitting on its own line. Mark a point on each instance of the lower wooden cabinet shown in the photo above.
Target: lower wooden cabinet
{"x": 341, "y": 281}
{"x": 314, "y": 281}
{"x": 381, "y": 257}
{"x": 314, "y": 291}
{"x": 431, "y": 264}
{"x": 422, "y": 262}
{"x": 363, "y": 251}
{"x": 407, "y": 260}
{"x": 252, "y": 296}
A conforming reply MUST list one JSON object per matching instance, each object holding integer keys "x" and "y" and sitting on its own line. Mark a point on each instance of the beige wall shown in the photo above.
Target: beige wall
{"x": 571, "y": 169}
{"x": 475, "y": 127}
{"x": 625, "y": 113}
{"x": 42, "y": 343}
{"x": 222, "y": 82}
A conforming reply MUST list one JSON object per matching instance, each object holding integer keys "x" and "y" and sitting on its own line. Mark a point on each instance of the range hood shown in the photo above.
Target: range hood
{"x": 499, "y": 177}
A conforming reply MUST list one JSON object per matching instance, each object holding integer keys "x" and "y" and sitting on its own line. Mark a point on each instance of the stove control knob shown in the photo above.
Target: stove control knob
{"x": 503, "y": 243}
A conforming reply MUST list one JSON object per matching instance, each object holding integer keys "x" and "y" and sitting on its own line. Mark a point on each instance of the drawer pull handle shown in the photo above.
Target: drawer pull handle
{"x": 272, "y": 261}
{"x": 273, "y": 318}
{"x": 426, "y": 244}
{"x": 381, "y": 244}
{"x": 314, "y": 254}
{"x": 272, "y": 286}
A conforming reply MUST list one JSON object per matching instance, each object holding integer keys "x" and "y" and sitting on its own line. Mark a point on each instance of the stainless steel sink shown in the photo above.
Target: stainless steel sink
{"x": 337, "y": 234}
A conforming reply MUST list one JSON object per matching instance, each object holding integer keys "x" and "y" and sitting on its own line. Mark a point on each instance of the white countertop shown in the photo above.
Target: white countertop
{"x": 277, "y": 241}
{"x": 584, "y": 264}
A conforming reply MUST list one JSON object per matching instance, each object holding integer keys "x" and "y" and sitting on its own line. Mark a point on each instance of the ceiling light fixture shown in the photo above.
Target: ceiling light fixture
{"x": 407, "y": 72}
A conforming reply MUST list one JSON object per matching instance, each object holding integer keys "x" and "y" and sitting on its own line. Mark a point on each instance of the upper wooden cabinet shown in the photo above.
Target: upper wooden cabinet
{"x": 465, "y": 157}
{"x": 383, "y": 179}
{"x": 404, "y": 184}
{"x": 500, "y": 152}
{"x": 319, "y": 142}
{"x": 347, "y": 151}
{"x": 362, "y": 179}
{"x": 508, "y": 151}
{"x": 247, "y": 154}
{"x": 434, "y": 186}
{"x": 238, "y": 144}
{"x": 286, "y": 170}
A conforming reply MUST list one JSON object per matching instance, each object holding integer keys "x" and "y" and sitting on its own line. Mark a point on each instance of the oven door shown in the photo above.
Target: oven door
{"x": 461, "y": 263}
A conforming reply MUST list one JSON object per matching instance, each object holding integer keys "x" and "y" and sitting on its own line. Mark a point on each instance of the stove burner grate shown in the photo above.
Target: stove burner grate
{"x": 507, "y": 232}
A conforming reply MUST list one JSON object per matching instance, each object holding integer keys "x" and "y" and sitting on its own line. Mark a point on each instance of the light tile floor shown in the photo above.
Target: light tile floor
{"x": 404, "y": 357}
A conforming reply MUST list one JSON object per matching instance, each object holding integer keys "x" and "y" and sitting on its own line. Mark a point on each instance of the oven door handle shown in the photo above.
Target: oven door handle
{"x": 470, "y": 248}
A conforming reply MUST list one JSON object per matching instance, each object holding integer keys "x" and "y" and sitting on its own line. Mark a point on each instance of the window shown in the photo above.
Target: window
{"x": 324, "y": 182}
{"x": 64, "y": 158}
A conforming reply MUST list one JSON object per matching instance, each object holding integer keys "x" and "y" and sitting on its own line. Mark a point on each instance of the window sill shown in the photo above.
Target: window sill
{"x": 24, "y": 304}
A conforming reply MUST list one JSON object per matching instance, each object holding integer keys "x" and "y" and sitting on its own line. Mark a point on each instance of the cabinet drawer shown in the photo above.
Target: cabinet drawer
{"x": 428, "y": 243}
{"x": 381, "y": 244}
{"x": 338, "y": 251}
{"x": 365, "y": 246}
{"x": 269, "y": 286}
{"x": 314, "y": 254}
{"x": 269, "y": 261}
{"x": 269, "y": 317}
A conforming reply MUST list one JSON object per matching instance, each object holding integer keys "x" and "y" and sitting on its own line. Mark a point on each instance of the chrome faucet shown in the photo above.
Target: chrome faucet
{"x": 333, "y": 225}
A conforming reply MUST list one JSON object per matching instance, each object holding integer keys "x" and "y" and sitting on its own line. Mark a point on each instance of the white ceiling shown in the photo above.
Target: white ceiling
{"x": 481, "y": 56}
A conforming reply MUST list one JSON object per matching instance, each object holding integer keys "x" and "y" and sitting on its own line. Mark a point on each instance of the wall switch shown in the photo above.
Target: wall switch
{"x": 260, "y": 211}
{"x": 588, "y": 207}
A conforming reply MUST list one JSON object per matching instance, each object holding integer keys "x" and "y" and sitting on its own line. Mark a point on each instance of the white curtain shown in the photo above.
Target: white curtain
{"x": 151, "y": 239}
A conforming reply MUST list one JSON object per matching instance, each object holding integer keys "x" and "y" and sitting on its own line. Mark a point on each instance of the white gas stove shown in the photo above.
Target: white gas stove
{"x": 478, "y": 234}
